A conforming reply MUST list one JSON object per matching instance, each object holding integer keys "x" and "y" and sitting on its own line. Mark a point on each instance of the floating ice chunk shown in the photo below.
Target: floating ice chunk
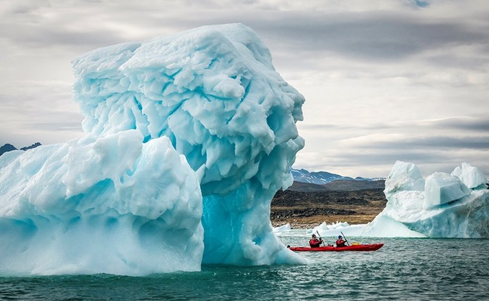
{"x": 333, "y": 226}
{"x": 470, "y": 176}
{"x": 335, "y": 229}
{"x": 282, "y": 228}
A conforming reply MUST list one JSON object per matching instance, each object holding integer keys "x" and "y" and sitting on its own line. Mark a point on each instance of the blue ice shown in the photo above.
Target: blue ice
{"x": 188, "y": 137}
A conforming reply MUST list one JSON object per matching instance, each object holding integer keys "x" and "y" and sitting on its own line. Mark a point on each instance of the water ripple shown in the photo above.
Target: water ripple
{"x": 404, "y": 269}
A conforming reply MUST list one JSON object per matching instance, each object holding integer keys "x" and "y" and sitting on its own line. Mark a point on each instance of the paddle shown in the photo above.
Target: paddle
{"x": 320, "y": 238}
{"x": 346, "y": 240}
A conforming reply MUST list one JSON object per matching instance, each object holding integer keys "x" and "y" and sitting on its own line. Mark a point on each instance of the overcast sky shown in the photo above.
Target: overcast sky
{"x": 384, "y": 80}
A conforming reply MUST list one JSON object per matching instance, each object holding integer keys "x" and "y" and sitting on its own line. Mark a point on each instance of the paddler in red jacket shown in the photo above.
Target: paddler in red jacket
{"x": 314, "y": 242}
{"x": 340, "y": 242}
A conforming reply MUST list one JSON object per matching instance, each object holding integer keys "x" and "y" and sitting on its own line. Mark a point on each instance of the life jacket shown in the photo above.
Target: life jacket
{"x": 314, "y": 243}
{"x": 340, "y": 243}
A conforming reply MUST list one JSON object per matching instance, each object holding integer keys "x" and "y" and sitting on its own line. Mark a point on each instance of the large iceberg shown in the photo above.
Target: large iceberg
{"x": 452, "y": 205}
{"x": 188, "y": 137}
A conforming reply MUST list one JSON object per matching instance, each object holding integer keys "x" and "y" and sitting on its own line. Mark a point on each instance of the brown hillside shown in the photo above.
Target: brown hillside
{"x": 309, "y": 208}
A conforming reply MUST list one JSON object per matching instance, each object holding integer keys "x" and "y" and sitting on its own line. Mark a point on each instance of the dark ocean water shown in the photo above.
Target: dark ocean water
{"x": 404, "y": 269}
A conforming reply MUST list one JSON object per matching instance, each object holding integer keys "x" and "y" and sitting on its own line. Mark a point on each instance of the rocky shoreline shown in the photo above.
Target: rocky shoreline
{"x": 304, "y": 210}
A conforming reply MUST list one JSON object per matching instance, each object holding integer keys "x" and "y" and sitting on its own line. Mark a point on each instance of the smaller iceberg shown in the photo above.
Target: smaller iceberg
{"x": 337, "y": 228}
{"x": 452, "y": 205}
{"x": 283, "y": 228}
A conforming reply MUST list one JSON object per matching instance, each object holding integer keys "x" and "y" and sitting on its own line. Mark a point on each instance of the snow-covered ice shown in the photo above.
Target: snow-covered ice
{"x": 471, "y": 176}
{"x": 282, "y": 228}
{"x": 188, "y": 137}
{"x": 334, "y": 229}
{"x": 444, "y": 205}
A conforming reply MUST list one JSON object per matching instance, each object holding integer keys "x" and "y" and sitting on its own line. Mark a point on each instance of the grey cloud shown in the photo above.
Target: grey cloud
{"x": 22, "y": 114}
{"x": 67, "y": 125}
{"x": 382, "y": 160}
{"x": 365, "y": 36}
{"x": 352, "y": 126}
{"x": 469, "y": 124}
{"x": 318, "y": 127}
{"x": 22, "y": 7}
{"x": 305, "y": 39}
{"x": 389, "y": 156}
{"x": 54, "y": 37}
{"x": 432, "y": 142}
{"x": 472, "y": 63}
{"x": 449, "y": 142}
{"x": 378, "y": 36}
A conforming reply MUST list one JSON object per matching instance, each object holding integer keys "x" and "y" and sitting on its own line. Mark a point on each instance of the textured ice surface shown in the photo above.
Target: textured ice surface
{"x": 471, "y": 176}
{"x": 442, "y": 188}
{"x": 445, "y": 207}
{"x": 106, "y": 205}
{"x": 122, "y": 200}
{"x": 404, "y": 177}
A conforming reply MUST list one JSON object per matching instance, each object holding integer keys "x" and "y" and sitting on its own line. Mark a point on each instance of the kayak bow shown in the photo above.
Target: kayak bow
{"x": 371, "y": 247}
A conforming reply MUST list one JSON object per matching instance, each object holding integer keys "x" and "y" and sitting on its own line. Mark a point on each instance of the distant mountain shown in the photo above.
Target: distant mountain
{"x": 9, "y": 147}
{"x": 31, "y": 146}
{"x": 315, "y": 177}
{"x": 323, "y": 177}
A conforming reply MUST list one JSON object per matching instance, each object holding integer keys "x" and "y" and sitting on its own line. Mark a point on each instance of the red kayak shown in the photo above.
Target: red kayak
{"x": 372, "y": 247}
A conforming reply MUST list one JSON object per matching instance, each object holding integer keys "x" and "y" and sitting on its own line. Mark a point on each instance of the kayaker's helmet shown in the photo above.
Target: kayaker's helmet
{"x": 314, "y": 236}
{"x": 340, "y": 237}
